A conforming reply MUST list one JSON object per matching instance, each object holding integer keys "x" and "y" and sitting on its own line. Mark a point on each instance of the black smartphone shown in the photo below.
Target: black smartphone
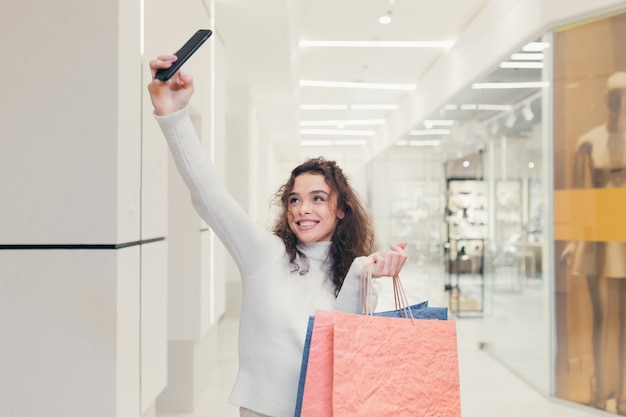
{"x": 183, "y": 54}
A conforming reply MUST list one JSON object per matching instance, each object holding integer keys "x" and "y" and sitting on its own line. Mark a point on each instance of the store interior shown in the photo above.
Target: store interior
{"x": 468, "y": 192}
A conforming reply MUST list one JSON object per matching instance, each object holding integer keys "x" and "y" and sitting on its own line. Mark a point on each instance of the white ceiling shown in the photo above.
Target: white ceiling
{"x": 261, "y": 39}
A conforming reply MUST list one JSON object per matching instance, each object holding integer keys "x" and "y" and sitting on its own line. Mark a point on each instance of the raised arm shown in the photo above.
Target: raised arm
{"x": 249, "y": 244}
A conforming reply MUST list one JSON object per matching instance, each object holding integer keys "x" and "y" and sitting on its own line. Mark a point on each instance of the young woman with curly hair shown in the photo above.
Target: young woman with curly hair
{"x": 312, "y": 261}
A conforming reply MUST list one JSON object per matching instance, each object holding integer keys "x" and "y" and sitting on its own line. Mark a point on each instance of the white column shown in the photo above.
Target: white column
{"x": 82, "y": 221}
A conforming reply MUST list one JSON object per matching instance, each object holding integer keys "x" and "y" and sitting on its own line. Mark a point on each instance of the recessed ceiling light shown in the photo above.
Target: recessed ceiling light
{"x": 338, "y": 84}
{"x": 384, "y": 20}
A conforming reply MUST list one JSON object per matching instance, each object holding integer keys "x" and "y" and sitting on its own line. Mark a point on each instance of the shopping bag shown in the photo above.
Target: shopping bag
{"x": 315, "y": 390}
{"x": 316, "y": 368}
{"x": 316, "y": 375}
{"x": 383, "y": 366}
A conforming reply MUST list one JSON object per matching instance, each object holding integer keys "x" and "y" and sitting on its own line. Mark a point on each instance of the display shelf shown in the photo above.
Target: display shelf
{"x": 466, "y": 221}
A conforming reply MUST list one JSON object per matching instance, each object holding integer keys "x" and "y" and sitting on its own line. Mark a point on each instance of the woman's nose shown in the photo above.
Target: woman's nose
{"x": 305, "y": 208}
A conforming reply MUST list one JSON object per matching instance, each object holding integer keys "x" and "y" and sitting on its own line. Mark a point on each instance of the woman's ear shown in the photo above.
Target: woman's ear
{"x": 340, "y": 214}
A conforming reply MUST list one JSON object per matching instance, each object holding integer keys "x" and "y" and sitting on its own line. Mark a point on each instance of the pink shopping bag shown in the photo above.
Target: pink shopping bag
{"x": 383, "y": 366}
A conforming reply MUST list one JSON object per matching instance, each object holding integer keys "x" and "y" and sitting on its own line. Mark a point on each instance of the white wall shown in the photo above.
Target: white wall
{"x": 84, "y": 227}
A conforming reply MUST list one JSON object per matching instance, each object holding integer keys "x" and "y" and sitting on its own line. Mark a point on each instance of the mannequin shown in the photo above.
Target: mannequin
{"x": 601, "y": 154}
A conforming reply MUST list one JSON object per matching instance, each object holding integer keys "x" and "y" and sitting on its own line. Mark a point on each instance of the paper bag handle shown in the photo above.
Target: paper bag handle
{"x": 400, "y": 299}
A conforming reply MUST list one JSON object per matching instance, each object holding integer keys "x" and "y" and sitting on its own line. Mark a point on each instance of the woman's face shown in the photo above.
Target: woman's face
{"x": 312, "y": 209}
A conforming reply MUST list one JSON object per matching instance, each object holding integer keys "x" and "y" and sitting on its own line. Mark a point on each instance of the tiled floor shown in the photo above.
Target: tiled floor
{"x": 488, "y": 389}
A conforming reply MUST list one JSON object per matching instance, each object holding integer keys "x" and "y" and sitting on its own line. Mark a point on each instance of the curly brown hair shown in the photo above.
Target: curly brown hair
{"x": 354, "y": 233}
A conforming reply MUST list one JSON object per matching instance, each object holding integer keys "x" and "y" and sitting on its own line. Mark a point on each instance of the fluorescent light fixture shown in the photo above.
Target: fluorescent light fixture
{"x": 351, "y": 107}
{"x": 384, "y": 20}
{"x": 527, "y": 57}
{"x": 531, "y": 84}
{"x": 496, "y": 107}
{"x": 433, "y": 142}
{"x": 363, "y": 122}
{"x": 338, "y": 84}
{"x": 430, "y": 123}
{"x": 317, "y": 142}
{"x": 323, "y": 107}
{"x": 329, "y": 142}
{"x": 350, "y": 142}
{"x": 521, "y": 65}
{"x": 424, "y": 142}
{"x": 535, "y": 46}
{"x": 374, "y": 107}
{"x": 337, "y": 132}
{"x": 429, "y": 132}
{"x": 377, "y": 44}
{"x": 451, "y": 107}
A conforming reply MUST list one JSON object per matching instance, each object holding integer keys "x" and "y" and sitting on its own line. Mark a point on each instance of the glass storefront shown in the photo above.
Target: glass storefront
{"x": 514, "y": 191}
{"x": 589, "y": 198}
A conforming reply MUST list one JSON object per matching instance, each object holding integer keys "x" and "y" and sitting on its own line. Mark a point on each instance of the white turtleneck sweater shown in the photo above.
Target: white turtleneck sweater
{"x": 276, "y": 302}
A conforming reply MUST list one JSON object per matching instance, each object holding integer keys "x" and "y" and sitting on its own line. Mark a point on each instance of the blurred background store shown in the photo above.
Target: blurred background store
{"x": 458, "y": 121}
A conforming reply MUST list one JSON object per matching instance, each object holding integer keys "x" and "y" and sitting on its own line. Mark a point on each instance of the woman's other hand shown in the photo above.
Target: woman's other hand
{"x": 172, "y": 95}
{"x": 388, "y": 263}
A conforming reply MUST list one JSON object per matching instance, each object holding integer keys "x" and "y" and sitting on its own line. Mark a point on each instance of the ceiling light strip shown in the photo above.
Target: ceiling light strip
{"x": 330, "y": 142}
{"x": 527, "y": 57}
{"x": 374, "y": 107}
{"x": 429, "y": 132}
{"x": 338, "y": 132}
{"x": 364, "y": 122}
{"x": 516, "y": 65}
{"x": 323, "y": 107}
{"x": 535, "y": 84}
{"x": 377, "y": 44}
{"x": 339, "y": 84}
{"x": 351, "y": 107}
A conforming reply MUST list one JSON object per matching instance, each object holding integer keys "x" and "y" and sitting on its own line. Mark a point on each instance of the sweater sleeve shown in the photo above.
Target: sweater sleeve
{"x": 239, "y": 234}
{"x": 349, "y": 298}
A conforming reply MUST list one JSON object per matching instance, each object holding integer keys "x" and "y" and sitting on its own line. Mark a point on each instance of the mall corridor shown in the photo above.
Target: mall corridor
{"x": 488, "y": 389}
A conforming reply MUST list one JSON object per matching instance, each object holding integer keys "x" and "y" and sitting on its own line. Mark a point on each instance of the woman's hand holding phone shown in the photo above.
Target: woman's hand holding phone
{"x": 172, "y": 95}
{"x": 170, "y": 90}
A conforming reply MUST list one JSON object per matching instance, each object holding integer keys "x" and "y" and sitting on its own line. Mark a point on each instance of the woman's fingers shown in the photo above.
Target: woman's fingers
{"x": 161, "y": 61}
{"x": 389, "y": 263}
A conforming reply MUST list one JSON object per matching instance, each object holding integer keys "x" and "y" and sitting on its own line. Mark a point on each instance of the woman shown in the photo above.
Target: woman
{"x": 312, "y": 261}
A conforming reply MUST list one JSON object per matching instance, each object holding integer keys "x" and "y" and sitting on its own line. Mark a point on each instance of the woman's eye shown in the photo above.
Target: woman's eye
{"x": 318, "y": 198}
{"x": 293, "y": 200}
